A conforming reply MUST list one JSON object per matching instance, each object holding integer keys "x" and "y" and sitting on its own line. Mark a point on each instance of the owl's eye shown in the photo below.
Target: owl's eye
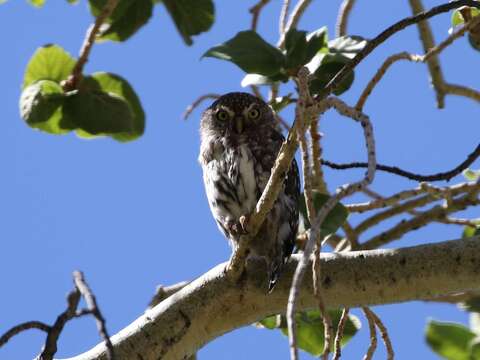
{"x": 253, "y": 113}
{"x": 222, "y": 115}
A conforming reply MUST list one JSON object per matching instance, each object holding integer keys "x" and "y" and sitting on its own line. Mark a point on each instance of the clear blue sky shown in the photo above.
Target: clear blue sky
{"x": 134, "y": 215}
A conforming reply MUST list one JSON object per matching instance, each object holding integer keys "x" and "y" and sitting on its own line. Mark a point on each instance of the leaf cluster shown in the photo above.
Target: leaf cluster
{"x": 310, "y": 329}
{"x": 266, "y": 64}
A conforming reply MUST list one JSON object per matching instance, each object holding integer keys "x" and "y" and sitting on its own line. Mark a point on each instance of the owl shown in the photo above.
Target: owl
{"x": 240, "y": 140}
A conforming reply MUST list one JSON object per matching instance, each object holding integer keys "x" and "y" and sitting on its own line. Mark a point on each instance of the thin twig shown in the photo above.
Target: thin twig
{"x": 393, "y": 211}
{"x": 428, "y": 42}
{"x": 197, "y": 103}
{"x": 441, "y": 176}
{"x": 384, "y": 333}
{"x": 461, "y": 90}
{"x": 327, "y": 321}
{"x": 92, "y": 32}
{"x": 344, "y": 191}
{"x": 317, "y": 152}
{"x": 92, "y": 305}
{"x": 283, "y": 17}
{"x": 381, "y": 202}
{"x": 422, "y": 219}
{"x": 373, "y": 334}
{"x": 56, "y": 329}
{"x": 163, "y": 292}
{"x": 339, "y": 335}
{"x": 342, "y": 17}
{"x": 295, "y": 17}
{"x": 421, "y": 58}
{"x": 255, "y": 10}
{"x": 23, "y": 327}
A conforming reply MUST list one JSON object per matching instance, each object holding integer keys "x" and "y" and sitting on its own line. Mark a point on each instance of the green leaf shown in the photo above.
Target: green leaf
{"x": 114, "y": 84}
{"x": 475, "y": 349}
{"x": 271, "y": 322}
{"x": 457, "y": 18}
{"x": 449, "y": 340}
{"x": 310, "y": 331}
{"x": 250, "y": 53}
{"x": 126, "y": 19}
{"x": 347, "y": 46}
{"x": 296, "y": 49}
{"x": 191, "y": 17}
{"x": 300, "y": 48}
{"x": 329, "y": 67}
{"x": 471, "y": 175}
{"x": 41, "y": 107}
{"x": 98, "y": 113}
{"x": 334, "y": 219}
{"x": 37, "y": 3}
{"x": 470, "y": 231}
{"x": 316, "y": 41}
{"x": 72, "y": 2}
{"x": 49, "y": 62}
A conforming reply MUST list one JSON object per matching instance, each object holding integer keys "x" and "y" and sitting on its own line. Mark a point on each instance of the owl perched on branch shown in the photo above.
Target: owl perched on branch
{"x": 240, "y": 140}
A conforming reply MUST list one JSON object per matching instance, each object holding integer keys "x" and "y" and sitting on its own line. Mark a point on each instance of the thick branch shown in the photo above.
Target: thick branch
{"x": 212, "y": 305}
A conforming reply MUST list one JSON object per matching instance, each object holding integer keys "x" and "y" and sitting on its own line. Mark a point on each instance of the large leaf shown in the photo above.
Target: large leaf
{"x": 126, "y": 19}
{"x": 296, "y": 48}
{"x": 347, "y": 46}
{"x": 310, "y": 330}
{"x": 250, "y": 53}
{"x": 98, "y": 113}
{"x": 316, "y": 41}
{"x": 191, "y": 17}
{"x": 49, "y": 62}
{"x": 329, "y": 67}
{"x": 41, "y": 107}
{"x": 449, "y": 340}
{"x": 114, "y": 84}
{"x": 334, "y": 219}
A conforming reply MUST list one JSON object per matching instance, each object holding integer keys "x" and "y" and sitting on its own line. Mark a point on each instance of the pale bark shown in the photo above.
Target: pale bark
{"x": 211, "y": 305}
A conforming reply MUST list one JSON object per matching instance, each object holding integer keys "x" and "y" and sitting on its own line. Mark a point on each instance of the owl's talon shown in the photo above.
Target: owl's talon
{"x": 237, "y": 228}
{"x": 243, "y": 223}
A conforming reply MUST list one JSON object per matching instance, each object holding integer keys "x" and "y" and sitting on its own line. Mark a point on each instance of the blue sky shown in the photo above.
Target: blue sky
{"x": 132, "y": 216}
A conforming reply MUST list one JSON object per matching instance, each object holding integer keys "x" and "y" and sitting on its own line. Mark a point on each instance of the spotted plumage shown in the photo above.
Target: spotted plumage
{"x": 240, "y": 139}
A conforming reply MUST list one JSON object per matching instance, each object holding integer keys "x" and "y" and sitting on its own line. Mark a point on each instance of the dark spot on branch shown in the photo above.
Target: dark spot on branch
{"x": 327, "y": 282}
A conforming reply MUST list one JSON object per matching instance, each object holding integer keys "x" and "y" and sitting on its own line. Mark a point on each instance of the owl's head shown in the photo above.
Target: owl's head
{"x": 236, "y": 114}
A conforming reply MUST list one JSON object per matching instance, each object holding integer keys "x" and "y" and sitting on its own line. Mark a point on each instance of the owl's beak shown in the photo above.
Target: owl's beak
{"x": 239, "y": 124}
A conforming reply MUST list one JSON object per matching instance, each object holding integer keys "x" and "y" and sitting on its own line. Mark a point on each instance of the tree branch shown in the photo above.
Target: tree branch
{"x": 188, "y": 319}
{"x": 92, "y": 32}
{"x": 446, "y": 175}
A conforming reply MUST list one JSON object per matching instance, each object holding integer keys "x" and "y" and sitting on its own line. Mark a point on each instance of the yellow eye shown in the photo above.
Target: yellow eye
{"x": 222, "y": 115}
{"x": 253, "y": 113}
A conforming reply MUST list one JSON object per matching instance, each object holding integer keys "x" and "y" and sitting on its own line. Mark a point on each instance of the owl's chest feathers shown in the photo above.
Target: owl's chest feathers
{"x": 230, "y": 173}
